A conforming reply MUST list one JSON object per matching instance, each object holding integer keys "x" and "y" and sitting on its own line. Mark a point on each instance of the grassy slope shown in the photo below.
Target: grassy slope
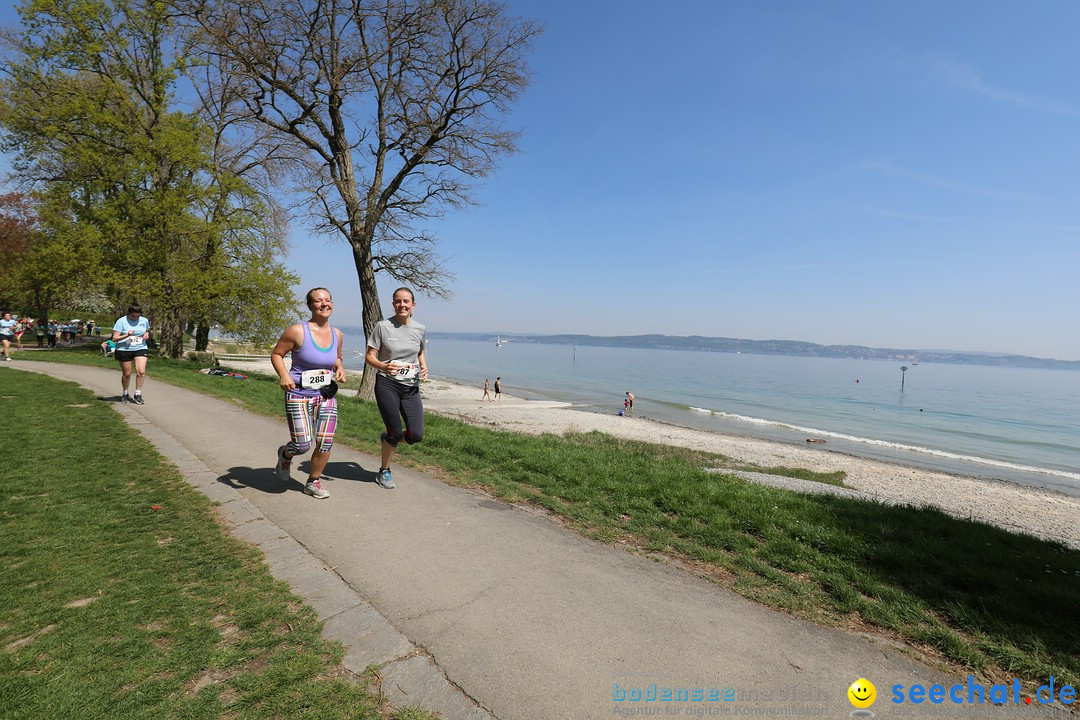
{"x": 110, "y": 608}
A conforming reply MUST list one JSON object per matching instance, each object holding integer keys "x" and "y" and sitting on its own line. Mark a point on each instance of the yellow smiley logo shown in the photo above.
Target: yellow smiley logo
{"x": 862, "y": 693}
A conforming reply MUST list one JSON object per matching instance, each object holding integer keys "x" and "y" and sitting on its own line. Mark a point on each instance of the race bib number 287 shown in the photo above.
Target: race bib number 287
{"x": 407, "y": 372}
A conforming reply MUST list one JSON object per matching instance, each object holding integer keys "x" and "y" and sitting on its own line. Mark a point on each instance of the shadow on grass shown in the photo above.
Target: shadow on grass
{"x": 1012, "y": 594}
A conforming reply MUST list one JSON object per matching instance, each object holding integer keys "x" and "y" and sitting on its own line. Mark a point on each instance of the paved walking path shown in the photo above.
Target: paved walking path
{"x": 476, "y": 608}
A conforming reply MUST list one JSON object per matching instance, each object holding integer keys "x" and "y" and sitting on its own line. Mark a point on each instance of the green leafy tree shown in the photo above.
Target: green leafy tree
{"x": 89, "y": 108}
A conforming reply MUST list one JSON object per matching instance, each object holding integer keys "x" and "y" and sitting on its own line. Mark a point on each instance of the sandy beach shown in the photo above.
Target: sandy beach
{"x": 1011, "y": 506}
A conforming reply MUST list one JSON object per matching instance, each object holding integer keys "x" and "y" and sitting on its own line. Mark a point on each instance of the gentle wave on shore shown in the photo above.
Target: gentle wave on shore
{"x": 817, "y": 433}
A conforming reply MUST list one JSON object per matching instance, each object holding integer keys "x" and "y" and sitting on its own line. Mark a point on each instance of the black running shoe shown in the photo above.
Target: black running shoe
{"x": 137, "y": 399}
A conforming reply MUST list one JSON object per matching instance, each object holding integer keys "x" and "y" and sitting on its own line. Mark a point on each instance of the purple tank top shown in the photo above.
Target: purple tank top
{"x": 310, "y": 356}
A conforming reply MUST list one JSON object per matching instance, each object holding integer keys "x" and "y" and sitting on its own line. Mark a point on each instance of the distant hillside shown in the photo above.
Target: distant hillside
{"x": 774, "y": 347}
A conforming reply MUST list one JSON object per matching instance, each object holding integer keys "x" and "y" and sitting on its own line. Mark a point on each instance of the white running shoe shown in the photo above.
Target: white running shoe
{"x": 283, "y": 468}
{"x": 315, "y": 489}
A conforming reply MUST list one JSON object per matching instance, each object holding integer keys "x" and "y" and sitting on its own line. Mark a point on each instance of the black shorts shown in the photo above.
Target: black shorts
{"x": 5, "y": 336}
{"x": 129, "y": 355}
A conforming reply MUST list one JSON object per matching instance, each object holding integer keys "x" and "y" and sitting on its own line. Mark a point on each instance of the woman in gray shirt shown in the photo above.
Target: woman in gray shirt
{"x": 396, "y": 351}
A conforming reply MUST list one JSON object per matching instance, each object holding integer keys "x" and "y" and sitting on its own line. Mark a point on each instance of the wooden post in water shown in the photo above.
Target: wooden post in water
{"x": 903, "y": 374}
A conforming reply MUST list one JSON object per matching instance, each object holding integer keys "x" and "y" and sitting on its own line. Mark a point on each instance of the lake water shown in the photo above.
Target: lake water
{"x": 1015, "y": 424}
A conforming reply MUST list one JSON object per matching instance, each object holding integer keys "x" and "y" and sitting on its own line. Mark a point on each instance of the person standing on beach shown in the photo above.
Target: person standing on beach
{"x": 629, "y": 400}
{"x": 498, "y": 388}
{"x": 130, "y": 333}
{"x": 487, "y": 393}
{"x": 396, "y": 351}
{"x": 310, "y": 386}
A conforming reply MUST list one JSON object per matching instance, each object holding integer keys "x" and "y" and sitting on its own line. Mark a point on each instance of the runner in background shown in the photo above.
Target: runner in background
{"x": 130, "y": 333}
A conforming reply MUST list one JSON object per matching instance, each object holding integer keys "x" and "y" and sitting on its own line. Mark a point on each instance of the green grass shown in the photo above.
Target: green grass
{"x": 110, "y": 608}
{"x": 980, "y": 598}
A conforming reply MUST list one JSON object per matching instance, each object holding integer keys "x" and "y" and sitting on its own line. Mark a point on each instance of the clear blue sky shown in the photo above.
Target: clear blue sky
{"x": 899, "y": 174}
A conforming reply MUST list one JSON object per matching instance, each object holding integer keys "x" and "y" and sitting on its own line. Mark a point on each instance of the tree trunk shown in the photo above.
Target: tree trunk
{"x": 369, "y": 297}
{"x": 42, "y": 305}
{"x": 202, "y": 336}
{"x": 171, "y": 331}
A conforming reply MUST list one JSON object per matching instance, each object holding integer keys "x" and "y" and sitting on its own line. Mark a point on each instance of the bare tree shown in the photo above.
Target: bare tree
{"x": 389, "y": 108}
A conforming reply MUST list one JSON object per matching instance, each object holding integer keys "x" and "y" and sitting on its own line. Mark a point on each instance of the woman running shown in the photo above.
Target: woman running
{"x": 309, "y": 385}
{"x": 7, "y": 334}
{"x": 396, "y": 350}
{"x": 130, "y": 333}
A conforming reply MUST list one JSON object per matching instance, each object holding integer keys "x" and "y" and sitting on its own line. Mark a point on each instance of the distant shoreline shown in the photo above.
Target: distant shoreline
{"x": 791, "y": 348}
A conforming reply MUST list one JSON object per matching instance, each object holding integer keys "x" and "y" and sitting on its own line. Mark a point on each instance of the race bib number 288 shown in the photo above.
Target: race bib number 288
{"x": 315, "y": 378}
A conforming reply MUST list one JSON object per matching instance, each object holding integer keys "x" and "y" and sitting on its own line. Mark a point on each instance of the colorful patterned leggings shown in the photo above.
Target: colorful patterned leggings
{"x": 310, "y": 418}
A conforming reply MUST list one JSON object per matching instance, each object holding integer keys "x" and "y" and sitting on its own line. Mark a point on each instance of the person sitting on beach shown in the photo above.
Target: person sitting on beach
{"x": 487, "y": 395}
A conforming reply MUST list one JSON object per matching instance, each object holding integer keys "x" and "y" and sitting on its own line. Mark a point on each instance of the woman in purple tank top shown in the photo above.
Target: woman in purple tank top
{"x": 309, "y": 385}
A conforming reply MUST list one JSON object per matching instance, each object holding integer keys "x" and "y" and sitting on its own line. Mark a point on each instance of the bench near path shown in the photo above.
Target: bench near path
{"x": 475, "y": 608}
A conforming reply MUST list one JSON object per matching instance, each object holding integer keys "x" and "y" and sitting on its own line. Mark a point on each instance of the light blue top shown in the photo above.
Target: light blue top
{"x": 135, "y": 342}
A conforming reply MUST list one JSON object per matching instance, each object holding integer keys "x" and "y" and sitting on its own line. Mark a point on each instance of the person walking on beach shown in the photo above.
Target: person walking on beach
{"x": 498, "y": 388}
{"x": 7, "y": 334}
{"x": 487, "y": 393}
{"x": 396, "y": 351}
{"x": 130, "y": 333}
{"x": 310, "y": 385}
{"x": 629, "y": 400}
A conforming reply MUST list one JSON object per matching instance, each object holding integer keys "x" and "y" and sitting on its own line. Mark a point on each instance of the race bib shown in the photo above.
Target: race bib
{"x": 134, "y": 340}
{"x": 314, "y": 379}
{"x": 406, "y": 372}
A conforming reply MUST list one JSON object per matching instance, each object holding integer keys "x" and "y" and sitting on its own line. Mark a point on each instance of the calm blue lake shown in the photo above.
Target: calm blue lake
{"x": 1015, "y": 424}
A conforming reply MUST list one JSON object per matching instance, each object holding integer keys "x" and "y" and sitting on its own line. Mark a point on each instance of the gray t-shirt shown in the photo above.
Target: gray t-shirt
{"x": 399, "y": 343}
